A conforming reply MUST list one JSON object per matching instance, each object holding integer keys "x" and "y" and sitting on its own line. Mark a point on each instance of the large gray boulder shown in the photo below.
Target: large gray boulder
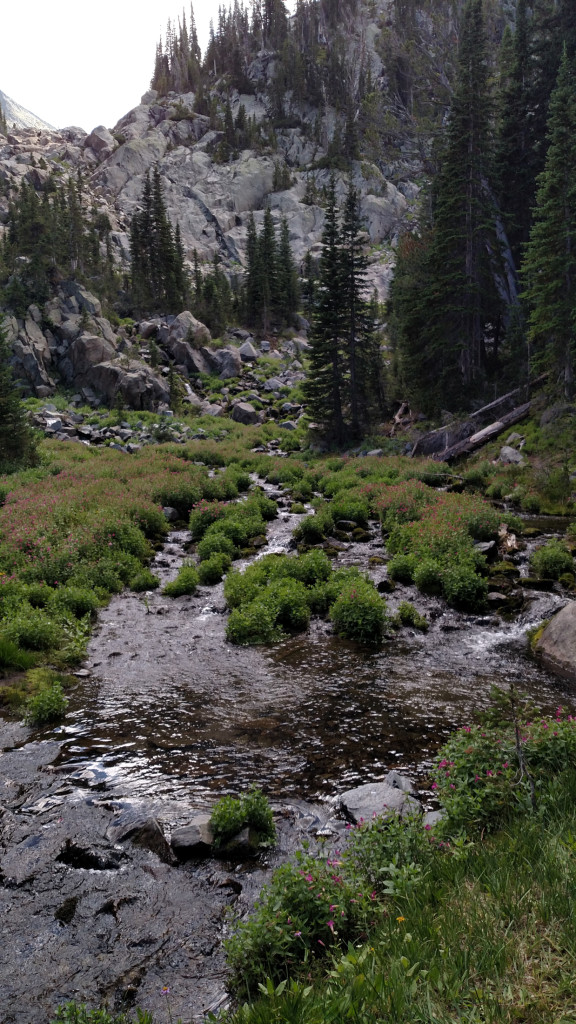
{"x": 101, "y": 142}
{"x": 557, "y": 645}
{"x": 244, "y": 412}
{"x": 187, "y": 328}
{"x": 136, "y": 383}
{"x": 377, "y": 799}
{"x": 225, "y": 362}
{"x": 86, "y": 352}
{"x": 184, "y": 355}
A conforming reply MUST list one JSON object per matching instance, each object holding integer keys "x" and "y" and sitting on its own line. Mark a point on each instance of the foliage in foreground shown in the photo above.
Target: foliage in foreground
{"x": 412, "y": 924}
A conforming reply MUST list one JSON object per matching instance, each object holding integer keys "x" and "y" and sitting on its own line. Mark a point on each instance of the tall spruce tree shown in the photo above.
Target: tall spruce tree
{"x": 159, "y": 279}
{"x": 17, "y": 440}
{"x": 344, "y": 388}
{"x": 458, "y": 264}
{"x": 549, "y": 269}
{"x": 325, "y": 386}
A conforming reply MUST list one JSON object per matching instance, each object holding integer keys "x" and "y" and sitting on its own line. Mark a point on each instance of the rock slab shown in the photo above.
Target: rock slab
{"x": 557, "y": 645}
{"x": 377, "y": 799}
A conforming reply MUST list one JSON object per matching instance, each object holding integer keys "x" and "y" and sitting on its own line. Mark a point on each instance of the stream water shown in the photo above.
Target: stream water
{"x": 172, "y": 709}
{"x": 170, "y": 717}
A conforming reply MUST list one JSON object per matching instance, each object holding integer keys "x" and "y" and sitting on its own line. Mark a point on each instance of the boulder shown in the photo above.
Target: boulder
{"x": 244, "y": 412}
{"x": 187, "y": 328}
{"x": 377, "y": 799}
{"x": 184, "y": 355}
{"x": 145, "y": 833}
{"x": 195, "y": 840}
{"x": 226, "y": 362}
{"x": 101, "y": 142}
{"x": 84, "y": 299}
{"x": 248, "y": 353}
{"x": 86, "y": 352}
{"x": 557, "y": 645}
{"x": 138, "y": 385}
{"x": 509, "y": 456}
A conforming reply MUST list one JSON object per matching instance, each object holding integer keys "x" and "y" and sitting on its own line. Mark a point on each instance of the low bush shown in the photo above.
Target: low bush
{"x": 48, "y": 705}
{"x": 203, "y": 514}
{"x": 359, "y": 613}
{"x": 463, "y": 588}
{"x": 240, "y": 588}
{"x": 32, "y": 629}
{"x": 351, "y": 507}
{"x": 213, "y": 543}
{"x": 11, "y": 656}
{"x": 212, "y": 569}
{"x": 401, "y": 568}
{"x": 428, "y": 576}
{"x": 80, "y": 601}
{"x": 231, "y": 814}
{"x": 151, "y": 521}
{"x": 551, "y": 560}
{"x": 253, "y": 623}
{"x": 145, "y": 580}
{"x": 314, "y": 529}
{"x": 408, "y": 615}
{"x": 185, "y": 583}
{"x": 289, "y": 599}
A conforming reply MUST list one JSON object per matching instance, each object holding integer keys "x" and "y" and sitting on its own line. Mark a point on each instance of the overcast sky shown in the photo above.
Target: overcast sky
{"x": 76, "y": 63}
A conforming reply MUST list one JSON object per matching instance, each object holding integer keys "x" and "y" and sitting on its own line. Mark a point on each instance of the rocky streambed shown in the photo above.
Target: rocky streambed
{"x": 166, "y": 718}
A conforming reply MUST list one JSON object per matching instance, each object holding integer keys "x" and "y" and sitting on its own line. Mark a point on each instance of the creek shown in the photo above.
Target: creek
{"x": 168, "y": 718}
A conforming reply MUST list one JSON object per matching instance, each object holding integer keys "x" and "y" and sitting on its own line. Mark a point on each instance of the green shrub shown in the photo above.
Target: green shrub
{"x": 297, "y": 508}
{"x": 551, "y": 560}
{"x": 185, "y": 583}
{"x": 48, "y": 705}
{"x": 214, "y": 542}
{"x": 351, "y": 507}
{"x": 78, "y": 1013}
{"x": 204, "y": 514}
{"x": 145, "y": 580}
{"x": 151, "y": 521}
{"x": 401, "y": 568}
{"x": 12, "y": 657}
{"x": 531, "y": 503}
{"x": 313, "y": 529}
{"x": 39, "y": 594}
{"x": 289, "y": 599}
{"x": 240, "y": 588}
{"x": 79, "y": 600}
{"x": 463, "y": 588}
{"x": 305, "y": 911}
{"x": 408, "y": 615}
{"x": 359, "y": 613}
{"x": 182, "y": 495}
{"x": 212, "y": 569}
{"x": 310, "y": 568}
{"x": 253, "y": 623}
{"x": 428, "y": 576}
{"x": 32, "y": 629}
{"x": 230, "y": 815}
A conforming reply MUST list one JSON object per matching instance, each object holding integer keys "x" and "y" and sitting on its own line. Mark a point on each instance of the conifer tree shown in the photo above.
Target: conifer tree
{"x": 159, "y": 280}
{"x": 325, "y": 385}
{"x": 549, "y": 268}
{"x": 17, "y": 440}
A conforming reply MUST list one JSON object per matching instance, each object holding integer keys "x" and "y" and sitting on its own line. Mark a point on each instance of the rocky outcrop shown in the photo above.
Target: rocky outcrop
{"x": 557, "y": 645}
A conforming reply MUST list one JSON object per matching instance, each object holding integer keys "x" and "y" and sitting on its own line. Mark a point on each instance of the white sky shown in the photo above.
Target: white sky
{"x": 71, "y": 62}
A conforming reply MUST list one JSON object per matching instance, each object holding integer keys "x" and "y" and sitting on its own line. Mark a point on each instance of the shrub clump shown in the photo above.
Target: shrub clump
{"x": 48, "y": 705}
{"x": 231, "y": 814}
{"x": 551, "y": 560}
{"x": 359, "y": 613}
{"x": 408, "y": 615}
{"x": 213, "y": 569}
{"x": 185, "y": 583}
{"x": 145, "y": 580}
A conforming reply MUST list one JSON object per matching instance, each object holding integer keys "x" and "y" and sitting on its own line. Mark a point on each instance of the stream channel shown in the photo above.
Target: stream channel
{"x": 166, "y": 718}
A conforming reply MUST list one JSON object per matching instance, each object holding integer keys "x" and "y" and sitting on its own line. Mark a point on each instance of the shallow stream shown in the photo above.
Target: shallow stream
{"x": 168, "y": 718}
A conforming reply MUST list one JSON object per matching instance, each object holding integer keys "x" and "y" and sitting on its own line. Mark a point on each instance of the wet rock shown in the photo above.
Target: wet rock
{"x": 145, "y": 833}
{"x": 557, "y": 645}
{"x": 89, "y": 858}
{"x": 398, "y": 781}
{"x": 242, "y": 846}
{"x": 377, "y": 799}
{"x": 170, "y": 514}
{"x": 193, "y": 841}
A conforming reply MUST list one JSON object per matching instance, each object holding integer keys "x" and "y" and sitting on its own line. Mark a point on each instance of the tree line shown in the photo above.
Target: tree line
{"x": 484, "y": 292}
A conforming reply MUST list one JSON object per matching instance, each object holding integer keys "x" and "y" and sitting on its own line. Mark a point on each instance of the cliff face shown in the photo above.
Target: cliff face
{"x": 405, "y": 48}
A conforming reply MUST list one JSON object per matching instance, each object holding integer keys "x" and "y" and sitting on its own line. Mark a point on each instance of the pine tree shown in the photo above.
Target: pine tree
{"x": 549, "y": 268}
{"x": 325, "y": 386}
{"x": 362, "y": 348}
{"x": 159, "y": 278}
{"x": 17, "y": 440}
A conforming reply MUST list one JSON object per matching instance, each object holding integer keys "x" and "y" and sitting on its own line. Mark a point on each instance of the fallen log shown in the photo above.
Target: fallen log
{"x": 482, "y": 437}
